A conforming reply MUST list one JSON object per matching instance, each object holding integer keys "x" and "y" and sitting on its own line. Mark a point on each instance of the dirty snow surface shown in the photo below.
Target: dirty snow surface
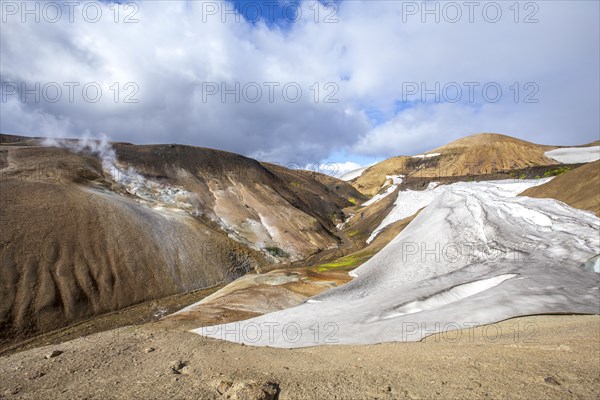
{"x": 475, "y": 255}
{"x": 409, "y": 201}
{"x": 575, "y": 155}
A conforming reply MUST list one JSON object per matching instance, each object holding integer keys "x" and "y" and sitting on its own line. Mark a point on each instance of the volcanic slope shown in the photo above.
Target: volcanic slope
{"x": 88, "y": 232}
{"x": 481, "y": 154}
{"x": 579, "y": 188}
{"x": 268, "y": 208}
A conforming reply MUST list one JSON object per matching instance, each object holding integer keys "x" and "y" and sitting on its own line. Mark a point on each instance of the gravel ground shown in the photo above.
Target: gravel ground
{"x": 554, "y": 357}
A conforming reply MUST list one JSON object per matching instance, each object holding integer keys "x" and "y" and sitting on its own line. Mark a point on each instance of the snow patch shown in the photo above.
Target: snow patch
{"x": 446, "y": 297}
{"x": 348, "y": 176}
{"x": 396, "y": 181}
{"x": 341, "y": 225}
{"x": 409, "y": 202}
{"x": 575, "y": 155}
{"x": 427, "y": 155}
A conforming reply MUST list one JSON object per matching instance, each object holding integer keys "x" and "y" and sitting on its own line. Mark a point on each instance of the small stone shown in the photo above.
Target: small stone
{"x": 53, "y": 353}
{"x": 177, "y": 366}
{"x": 36, "y": 374}
{"x": 252, "y": 390}
{"x": 148, "y": 349}
{"x": 186, "y": 370}
{"x": 550, "y": 380}
{"x": 223, "y": 385}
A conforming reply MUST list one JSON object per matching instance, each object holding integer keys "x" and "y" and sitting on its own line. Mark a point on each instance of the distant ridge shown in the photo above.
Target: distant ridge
{"x": 484, "y": 153}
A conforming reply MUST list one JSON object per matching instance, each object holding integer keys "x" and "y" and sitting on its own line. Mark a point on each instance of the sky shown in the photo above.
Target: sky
{"x": 303, "y": 83}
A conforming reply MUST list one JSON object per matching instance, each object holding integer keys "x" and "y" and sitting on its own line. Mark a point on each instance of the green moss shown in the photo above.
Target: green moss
{"x": 348, "y": 262}
{"x": 556, "y": 171}
{"x": 353, "y": 233}
{"x": 352, "y": 200}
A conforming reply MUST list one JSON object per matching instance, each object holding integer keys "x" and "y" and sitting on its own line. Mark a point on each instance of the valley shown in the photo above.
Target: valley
{"x": 109, "y": 249}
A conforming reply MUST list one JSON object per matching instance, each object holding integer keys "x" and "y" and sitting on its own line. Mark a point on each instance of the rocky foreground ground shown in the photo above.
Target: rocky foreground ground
{"x": 536, "y": 357}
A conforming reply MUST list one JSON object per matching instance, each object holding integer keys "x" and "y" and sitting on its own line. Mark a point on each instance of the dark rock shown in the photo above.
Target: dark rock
{"x": 550, "y": 380}
{"x": 176, "y": 366}
{"x": 53, "y": 353}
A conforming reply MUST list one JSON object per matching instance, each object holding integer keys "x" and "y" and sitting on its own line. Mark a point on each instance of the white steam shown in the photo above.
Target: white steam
{"x": 86, "y": 144}
{"x": 128, "y": 177}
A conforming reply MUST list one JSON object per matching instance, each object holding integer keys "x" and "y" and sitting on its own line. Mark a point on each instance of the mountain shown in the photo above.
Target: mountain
{"x": 97, "y": 235}
{"x": 89, "y": 227}
{"x": 485, "y": 153}
{"x": 579, "y": 188}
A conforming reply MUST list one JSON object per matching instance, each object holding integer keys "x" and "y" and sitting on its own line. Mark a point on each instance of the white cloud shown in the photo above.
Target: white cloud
{"x": 170, "y": 52}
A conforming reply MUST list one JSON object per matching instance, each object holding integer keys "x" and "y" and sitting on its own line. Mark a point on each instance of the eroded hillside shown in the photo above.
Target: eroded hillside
{"x": 88, "y": 229}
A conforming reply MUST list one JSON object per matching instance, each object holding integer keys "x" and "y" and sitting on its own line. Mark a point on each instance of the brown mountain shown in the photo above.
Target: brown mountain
{"x": 484, "y": 153}
{"x": 79, "y": 239}
{"x": 579, "y": 188}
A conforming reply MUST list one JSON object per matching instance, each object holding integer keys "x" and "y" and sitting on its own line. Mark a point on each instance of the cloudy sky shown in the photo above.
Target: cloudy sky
{"x": 304, "y": 82}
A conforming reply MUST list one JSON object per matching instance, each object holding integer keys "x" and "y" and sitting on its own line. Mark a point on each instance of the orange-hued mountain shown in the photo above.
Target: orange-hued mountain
{"x": 480, "y": 154}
